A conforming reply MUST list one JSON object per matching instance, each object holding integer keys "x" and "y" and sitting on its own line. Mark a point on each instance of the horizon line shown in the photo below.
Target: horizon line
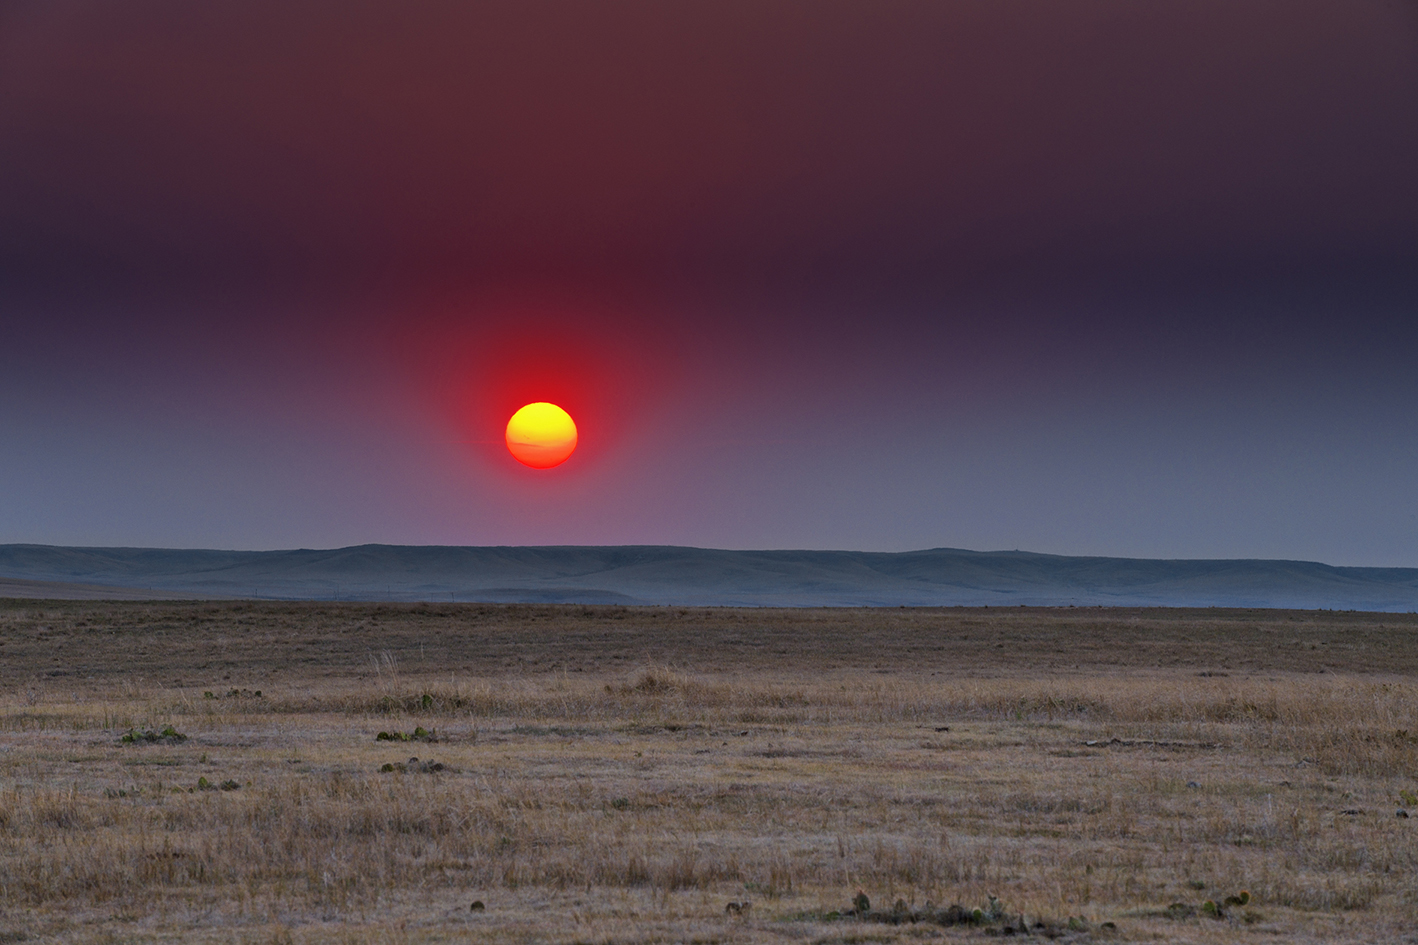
{"x": 848, "y": 551}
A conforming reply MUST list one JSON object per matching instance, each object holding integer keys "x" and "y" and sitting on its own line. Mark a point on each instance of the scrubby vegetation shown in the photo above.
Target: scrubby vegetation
{"x": 663, "y": 775}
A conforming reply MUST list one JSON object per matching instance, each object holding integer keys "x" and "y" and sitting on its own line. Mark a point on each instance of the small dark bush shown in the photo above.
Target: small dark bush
{"x": 419, "y": 734}
{"x": 168, "y": 735}
{"x": 413, "y": 765}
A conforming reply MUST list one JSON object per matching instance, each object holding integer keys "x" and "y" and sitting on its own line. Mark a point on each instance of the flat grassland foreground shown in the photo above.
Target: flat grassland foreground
{"x": 206, "y": 772}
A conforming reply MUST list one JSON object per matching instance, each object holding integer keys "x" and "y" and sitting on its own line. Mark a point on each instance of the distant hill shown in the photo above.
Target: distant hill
{"x": 650, "y": 574}
{"x": 68, "y": 590}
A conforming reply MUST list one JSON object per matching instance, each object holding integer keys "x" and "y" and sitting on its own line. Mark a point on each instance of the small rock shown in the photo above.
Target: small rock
{"x": 477, "y": 906}
{"x": 1351, "y": 812}
{"x": 1193, "y": 784}
{"x": 1402, "y": 813}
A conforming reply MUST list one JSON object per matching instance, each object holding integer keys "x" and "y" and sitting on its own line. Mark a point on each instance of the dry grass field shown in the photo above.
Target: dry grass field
{"x": 604, "y": 774}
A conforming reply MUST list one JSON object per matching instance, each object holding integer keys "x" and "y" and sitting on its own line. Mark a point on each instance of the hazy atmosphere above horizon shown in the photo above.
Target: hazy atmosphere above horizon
{"x": 1099, "y": 278}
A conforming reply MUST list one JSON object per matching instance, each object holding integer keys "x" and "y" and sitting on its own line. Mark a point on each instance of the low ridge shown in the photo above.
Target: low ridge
{"x": 654, "y": 574}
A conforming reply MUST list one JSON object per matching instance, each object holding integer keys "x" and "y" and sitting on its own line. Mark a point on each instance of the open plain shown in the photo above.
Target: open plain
{"x": 277, "y": 772}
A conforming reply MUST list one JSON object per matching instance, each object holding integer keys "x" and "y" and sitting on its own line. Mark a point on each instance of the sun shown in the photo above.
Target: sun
{"x": 541, "y": 435}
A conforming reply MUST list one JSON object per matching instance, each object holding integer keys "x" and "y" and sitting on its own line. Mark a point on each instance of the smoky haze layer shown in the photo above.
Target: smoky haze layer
{"x": 740, "y": 141}
{"x": 684, "y": 576}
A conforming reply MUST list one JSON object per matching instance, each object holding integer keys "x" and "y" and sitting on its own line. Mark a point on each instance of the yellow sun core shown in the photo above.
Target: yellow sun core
{"x": 541, "y": 435}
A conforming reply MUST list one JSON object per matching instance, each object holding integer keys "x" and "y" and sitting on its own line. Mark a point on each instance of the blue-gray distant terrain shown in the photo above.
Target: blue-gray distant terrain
{"x": 672, "y": 575}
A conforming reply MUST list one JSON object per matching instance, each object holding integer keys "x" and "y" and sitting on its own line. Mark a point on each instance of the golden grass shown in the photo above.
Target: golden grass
{"x": 622, "y": 775}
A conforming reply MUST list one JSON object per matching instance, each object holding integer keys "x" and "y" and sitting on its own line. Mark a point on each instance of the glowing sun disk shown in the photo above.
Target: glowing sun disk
{"x": 541, "y": 435}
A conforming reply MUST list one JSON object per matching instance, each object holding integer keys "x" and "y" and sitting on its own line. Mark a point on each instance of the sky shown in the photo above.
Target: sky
{"x": 1097, "y": 278}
